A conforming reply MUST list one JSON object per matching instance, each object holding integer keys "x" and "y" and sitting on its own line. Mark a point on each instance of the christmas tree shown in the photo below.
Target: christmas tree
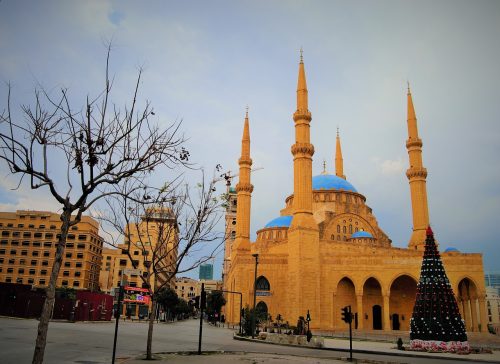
{"x": 436, "y": 324}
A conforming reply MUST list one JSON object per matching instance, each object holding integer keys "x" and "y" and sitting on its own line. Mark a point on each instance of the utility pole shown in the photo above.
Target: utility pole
{"x": 203, "y": 301}
{"x": 256, "y": 256}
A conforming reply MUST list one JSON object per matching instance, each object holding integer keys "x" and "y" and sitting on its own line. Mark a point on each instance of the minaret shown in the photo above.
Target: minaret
{"x": 339, "y": 162}
{"x": 416, "y": 175}
{"x": 304, "y": 287}
{"x": 302, "y": 152}
{"x": 244, "y": 190}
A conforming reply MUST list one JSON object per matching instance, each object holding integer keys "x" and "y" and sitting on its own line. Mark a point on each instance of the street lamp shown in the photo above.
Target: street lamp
{"x": 256, "y": 256}
{"x": 308, "y": 334}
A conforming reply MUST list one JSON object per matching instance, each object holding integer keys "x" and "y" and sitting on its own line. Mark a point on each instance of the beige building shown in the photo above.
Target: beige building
{"x": 326, "y": 250}
{"x": 28, "y": 246}
{"x": 493, "y": 308}
{"x": 187, "y": 288}
{"x": 145, "y": 246}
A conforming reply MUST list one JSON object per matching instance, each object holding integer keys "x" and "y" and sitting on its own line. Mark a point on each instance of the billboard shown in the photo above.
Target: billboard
{"x": 137, "y": 295}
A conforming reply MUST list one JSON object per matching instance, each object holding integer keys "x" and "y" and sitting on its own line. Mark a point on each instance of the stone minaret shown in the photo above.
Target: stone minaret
{"x": 244, "y": 189}
{"x": 339, "y": 162}
{"x": 302, "y": 152}
{"x": 303, "y": 234}
{"x": 416, "y": 175}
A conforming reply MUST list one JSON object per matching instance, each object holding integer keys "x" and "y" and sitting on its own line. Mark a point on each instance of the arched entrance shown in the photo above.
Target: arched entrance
{"x": 377, "y": 317}
{"x": 372, "y": 297}
{"x": 345, "y": 296}
{"x": 468, "y": 305}
{"x": 403, "y": 292}
{"x": 261, "y": 311}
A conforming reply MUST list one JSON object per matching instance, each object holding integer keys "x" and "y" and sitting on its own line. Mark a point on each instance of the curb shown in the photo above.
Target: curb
{"x": 372, "y": 352}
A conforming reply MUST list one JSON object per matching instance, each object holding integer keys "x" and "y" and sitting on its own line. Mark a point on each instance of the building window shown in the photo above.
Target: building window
{"x": 41, "y": 282}
{"x": 26, "y": 234}
{"x": 37, "y": 235}
{"x": 80, "y": 246}
{"x": 49, "y": 235}
{"x": 71, "y": 236}
{"x": 47, "y": 244}
{"x": 78, "y": 264}
{"x": 8, "y": 280}
{"x": 10, "y": 270}
{"x": 32, "y": 271}
{"x": 70, "y": 245}
{"x": 33, "y": 262}
{"x": 123, "y": 262}
{"x": 35, "y": 253}
{"x": 20, "y": 271}
{"x": 350, "y": 229}
{"x": 69, "y": 255}
{"x": 13, "y": 261}
{"x": 338, "y": 228}
{"x": 76, "y": 284}
{"x": 66, "y": 273}
{"x": 13, "y": 252}
{"x": 24, "y": 252}
{"x": 78, "y": 274}
{"x": 64, "y": 283}
{"x": 43, "y": 272}
{"x": 67, "y": 264}
{"x": 262, "y": 284}
{"x": 31, "y": 281}
{"x": 46, "y": 253}
{"x": 79, "y": 255}
{"x": 19, "y": 280}
{"x": 45, "y": 262}
{"x": 14, "y": 243}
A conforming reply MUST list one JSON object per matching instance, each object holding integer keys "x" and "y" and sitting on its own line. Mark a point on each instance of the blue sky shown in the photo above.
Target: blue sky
{"x": 205, "y": 61}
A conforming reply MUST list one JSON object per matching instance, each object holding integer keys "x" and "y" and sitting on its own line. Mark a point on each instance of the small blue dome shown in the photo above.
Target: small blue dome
{"x": 451, "y": 249}
{"x": 361, "y": 234}
{"x": 331, "y": 182}
{"x": 282, "y": 221}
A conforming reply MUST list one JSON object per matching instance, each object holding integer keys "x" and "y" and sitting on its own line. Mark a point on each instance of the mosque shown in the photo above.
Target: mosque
{"x": 326, "y": 249}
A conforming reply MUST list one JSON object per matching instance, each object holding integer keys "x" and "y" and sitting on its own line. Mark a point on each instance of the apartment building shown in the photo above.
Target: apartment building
{"x": 28, "y": 241}
{"x": 187, "y": 288}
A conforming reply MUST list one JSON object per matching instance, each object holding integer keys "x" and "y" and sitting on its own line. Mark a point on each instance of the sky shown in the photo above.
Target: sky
{"x": 205, "y": 61}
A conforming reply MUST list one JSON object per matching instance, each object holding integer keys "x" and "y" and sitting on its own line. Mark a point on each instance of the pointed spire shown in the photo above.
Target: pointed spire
{"x": 412, "y": 118}
{"x": 339, "y": 162}
{"x": 245, "y": 140}
{"x": 302, "y": 102}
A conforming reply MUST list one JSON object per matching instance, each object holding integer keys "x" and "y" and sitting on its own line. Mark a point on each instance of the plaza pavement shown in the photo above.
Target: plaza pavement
{"x": 365, "y": 347}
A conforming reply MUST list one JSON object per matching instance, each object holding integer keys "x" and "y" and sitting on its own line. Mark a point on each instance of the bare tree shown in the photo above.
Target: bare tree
{"x": 173, "y": 229}
{"x": 95, "y": 147}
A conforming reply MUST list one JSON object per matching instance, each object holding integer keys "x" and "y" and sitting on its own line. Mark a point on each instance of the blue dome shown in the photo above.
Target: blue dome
{"x": 282, "y": 221}
{"x": 361, "y": 234}
{"x": 451, "y": 249}
{"x": 331, "y": 182}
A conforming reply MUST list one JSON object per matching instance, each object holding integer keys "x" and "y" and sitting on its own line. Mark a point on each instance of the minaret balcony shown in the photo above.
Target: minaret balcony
{"x": 302, "y": 115}
{"x": 414, "y": 142}
{"x": 244, "y": 187}
{"x": 305, "y": 149}
{"x": 416, "y": 172}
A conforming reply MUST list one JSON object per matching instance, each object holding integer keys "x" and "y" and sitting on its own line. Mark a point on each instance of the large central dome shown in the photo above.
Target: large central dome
{"x": 331, "y": 182}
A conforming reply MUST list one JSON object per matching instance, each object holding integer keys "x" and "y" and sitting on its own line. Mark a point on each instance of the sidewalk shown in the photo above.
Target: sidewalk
{"x": 365, "y": 347}
{"x": 391, "y": 349}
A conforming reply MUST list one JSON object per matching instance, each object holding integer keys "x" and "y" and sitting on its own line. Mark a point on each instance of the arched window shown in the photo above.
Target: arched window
{"x": 262, "y": 284}
{"x": 333, "y": 237}
{"x": 356, "y": 229}
{"x": 344, "y": 238}
{"x": 338, "y": 228}
{"x": 350, "y": 229}
{"x": 344, "y": 229}
{"x": 338, "y": 237}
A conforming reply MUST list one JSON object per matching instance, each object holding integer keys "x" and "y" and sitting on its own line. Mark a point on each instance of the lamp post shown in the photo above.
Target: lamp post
{"x": 256, "y": 256}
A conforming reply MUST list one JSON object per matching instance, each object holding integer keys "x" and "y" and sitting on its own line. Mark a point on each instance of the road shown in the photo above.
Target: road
{"x": 92, "y": 343}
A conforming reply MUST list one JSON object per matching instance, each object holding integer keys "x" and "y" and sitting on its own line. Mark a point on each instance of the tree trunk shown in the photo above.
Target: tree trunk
{"x": 149, "y": 354}
{"x": 48, "y": 305}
